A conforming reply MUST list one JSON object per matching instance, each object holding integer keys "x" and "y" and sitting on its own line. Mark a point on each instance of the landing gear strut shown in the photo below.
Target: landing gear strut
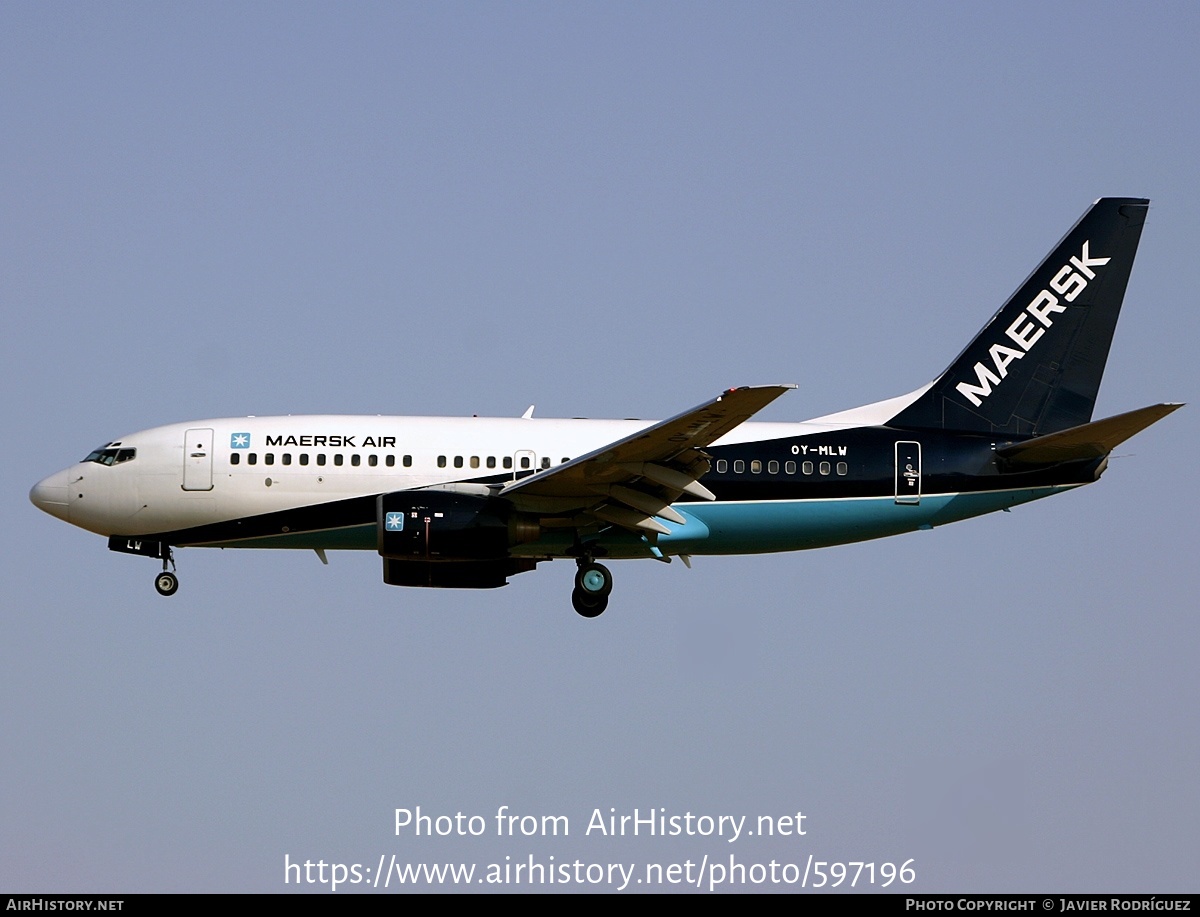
{"x": 593, "y": 583}
{"x": 167, "y": 583}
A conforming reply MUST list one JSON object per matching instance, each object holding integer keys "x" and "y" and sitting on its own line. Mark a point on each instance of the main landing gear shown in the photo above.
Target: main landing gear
{"x": 167, "y": 583}
{"x": 593, "y": 583}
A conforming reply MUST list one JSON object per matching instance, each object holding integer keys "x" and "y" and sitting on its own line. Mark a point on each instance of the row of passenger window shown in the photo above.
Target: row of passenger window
{"x": 525, "y": 461}
{"x": 756, "y": 467}
{"x": 285, "y": 458}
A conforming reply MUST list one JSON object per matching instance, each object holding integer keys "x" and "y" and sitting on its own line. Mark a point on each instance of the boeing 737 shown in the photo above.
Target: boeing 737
{"x": 469, "y": 502}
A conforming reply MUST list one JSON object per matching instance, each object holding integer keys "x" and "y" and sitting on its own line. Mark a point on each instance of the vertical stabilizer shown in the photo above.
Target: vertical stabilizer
{"x": 1035, "y": 368}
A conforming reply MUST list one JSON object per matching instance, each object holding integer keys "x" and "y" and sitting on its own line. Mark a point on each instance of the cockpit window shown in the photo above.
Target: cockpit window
{"x": 109, "y": 456}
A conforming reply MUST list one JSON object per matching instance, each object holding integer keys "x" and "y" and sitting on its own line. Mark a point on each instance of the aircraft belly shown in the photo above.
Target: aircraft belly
{"x": 729, "y": 527}
{"x": 793, "y": 525}
{"x": 351, "y": 538}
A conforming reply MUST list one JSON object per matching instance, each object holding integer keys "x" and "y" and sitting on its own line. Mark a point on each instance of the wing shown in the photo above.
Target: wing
{"x": 633, "y": 480}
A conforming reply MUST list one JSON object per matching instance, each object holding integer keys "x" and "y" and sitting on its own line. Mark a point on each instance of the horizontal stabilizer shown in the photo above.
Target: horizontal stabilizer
{"x": 1091, "y": 440}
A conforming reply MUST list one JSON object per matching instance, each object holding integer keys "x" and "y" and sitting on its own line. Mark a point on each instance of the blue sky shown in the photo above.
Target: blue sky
{"x": 610, "y": 210}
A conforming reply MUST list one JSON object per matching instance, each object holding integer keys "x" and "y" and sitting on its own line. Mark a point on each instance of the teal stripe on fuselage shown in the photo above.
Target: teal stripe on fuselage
{"x": 755, "y": 527}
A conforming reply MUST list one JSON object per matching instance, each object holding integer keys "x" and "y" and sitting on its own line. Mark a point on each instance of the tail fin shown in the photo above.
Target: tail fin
{"x": 1035, "y": 368}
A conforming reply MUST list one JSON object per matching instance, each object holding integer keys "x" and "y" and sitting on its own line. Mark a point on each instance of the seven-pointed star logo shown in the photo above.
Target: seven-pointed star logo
{"x": 394, "y": 522}
{"x": 239, "y": 441}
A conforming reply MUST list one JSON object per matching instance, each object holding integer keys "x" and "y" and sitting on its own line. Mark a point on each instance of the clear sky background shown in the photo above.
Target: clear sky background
{"x": 606, "y": 210}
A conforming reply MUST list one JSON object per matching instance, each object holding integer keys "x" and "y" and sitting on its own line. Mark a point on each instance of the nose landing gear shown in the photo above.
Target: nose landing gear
{"x": 167, "y": 583}
{"x": 593, "y": 583}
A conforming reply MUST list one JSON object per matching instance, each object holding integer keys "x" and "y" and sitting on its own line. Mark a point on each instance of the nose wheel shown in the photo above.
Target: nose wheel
{"x": 167, "y": 583}
{"x": 593, "y": 583}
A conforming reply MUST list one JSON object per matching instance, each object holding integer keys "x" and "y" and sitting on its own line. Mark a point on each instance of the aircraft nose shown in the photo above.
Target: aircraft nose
{"x": 50, "y": 495}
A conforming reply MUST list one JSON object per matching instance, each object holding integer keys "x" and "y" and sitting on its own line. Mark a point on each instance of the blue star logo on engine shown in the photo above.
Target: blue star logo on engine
{"x": 394, "y": 522}
{"x": 239, "y": 441}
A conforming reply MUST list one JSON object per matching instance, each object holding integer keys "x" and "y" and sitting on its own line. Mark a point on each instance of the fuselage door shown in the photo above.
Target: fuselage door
{"x": 524, "y": 463}
{"x": 198, "y": 460}
{"x": 908, "y": 472}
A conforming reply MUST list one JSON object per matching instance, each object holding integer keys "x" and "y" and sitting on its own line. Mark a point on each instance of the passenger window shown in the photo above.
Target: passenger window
{"x": 441, "y": 461}
{"x": 807, "y": 467}
{"x": 458, "y": 463}
{"x": 545, "y": 461}
{"x": 234, "y": 458}
{"x": 252, "y": 458}
{"x": 508, "y": 461}
{"x": 373, "y": 460}
{"x": 842, "y": 468}
{"x": 303, "y": 458}
{"x": 408, "y": 461}
{"x": 772, "y": 467}
{"x": 287, "y": 458}
{"x": 474, "y": 461}
{"x": 722, "y": 466}
{"x": 824, "y": 468}
{"x": 338, "y": 459}
{"x": 738, "y": 466}
{"x": 491, "y": 461}
{"x": 525, "y": 461}
{"x": 320, "y": 458}
{"x": 756, "y": 467}
{"x": 790, "y": 467}
{"x": 391, "y": 461}
{"x": 269, "y": 458}
{"x": 356, "y": 460}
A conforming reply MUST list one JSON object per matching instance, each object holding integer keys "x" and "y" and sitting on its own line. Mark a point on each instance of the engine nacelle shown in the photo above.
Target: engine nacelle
{"x": 454, "y": 574}
{"x": 438, "y": 525}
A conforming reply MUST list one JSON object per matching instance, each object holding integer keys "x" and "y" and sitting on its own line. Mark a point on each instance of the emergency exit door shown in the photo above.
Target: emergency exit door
{"x": 908, "y": 472}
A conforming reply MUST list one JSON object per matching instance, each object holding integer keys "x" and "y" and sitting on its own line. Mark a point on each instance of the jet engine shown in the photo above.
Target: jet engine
{"x": 451, "y": 540}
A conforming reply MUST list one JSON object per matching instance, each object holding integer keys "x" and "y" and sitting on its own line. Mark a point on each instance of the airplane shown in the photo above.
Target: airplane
{"x": 469, "y": 502}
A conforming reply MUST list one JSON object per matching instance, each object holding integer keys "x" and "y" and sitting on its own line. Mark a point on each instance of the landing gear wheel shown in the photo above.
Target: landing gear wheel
{"x": 594, "y": 580}
{"x": 167, "y": 583}
{"x": 590, "y": 606}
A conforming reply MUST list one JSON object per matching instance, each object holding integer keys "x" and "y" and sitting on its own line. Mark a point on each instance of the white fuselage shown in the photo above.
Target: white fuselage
{"x": 191, "y": 474}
